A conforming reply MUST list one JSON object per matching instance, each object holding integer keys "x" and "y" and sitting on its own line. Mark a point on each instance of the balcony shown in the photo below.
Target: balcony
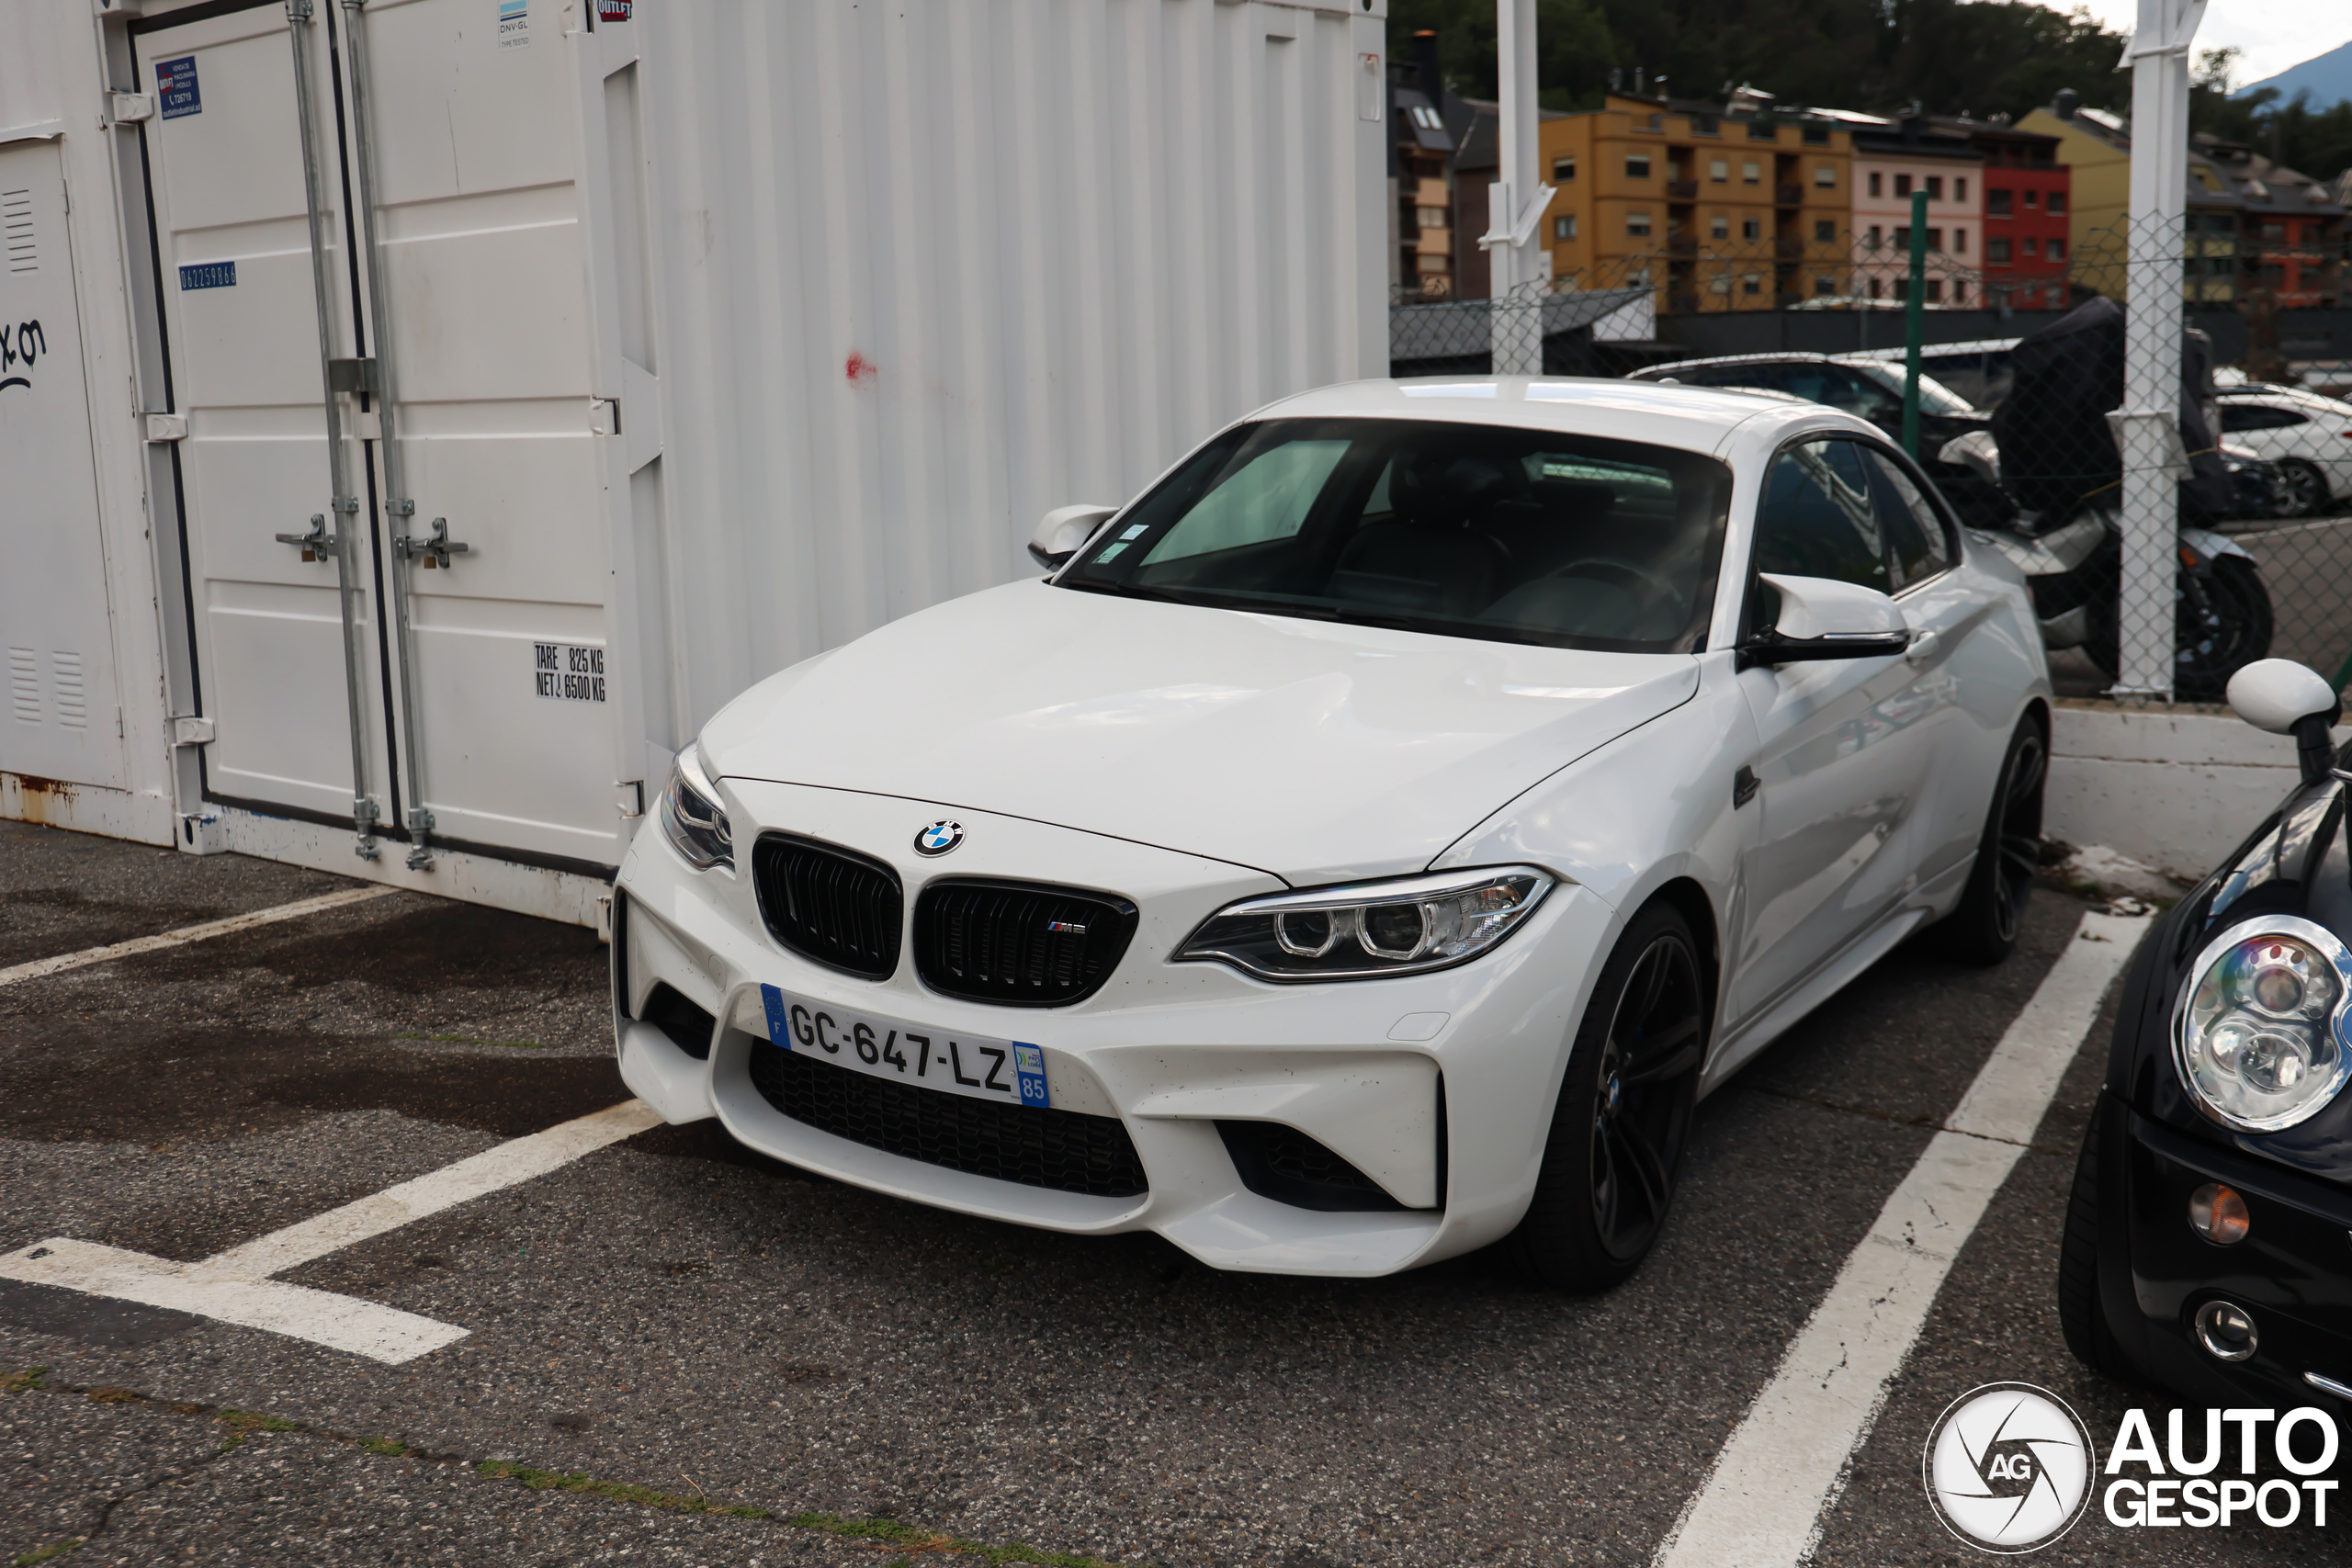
{"x": 1789, "y": 250}
{"x": 1683, "y": 190}
{"x": 1682, "y": 304}
{"x": 1788, "y": 196}
{"x": 1681, "y": 247}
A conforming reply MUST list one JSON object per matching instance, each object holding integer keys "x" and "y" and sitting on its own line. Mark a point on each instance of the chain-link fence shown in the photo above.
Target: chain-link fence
{"x": 2172, "y": 525}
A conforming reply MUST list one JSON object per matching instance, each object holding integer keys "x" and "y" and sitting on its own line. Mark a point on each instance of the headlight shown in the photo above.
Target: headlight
{"x": 1370, "y": 928}
{"x": 2259, "y": 1035}
{"x": 691, "y": 817}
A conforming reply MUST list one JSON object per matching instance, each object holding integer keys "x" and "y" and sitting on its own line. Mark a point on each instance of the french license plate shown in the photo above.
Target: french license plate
{"x": 1007, "y": 1071}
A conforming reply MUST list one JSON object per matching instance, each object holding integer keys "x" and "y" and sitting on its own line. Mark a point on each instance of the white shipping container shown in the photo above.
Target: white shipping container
{"x": 704, "y": 336}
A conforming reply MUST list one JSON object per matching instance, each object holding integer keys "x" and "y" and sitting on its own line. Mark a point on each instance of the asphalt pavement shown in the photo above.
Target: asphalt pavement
{"x": 681, "y": 1352}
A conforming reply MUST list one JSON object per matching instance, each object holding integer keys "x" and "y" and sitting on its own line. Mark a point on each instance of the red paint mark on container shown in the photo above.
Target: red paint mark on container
{"x": 859, "y": 369}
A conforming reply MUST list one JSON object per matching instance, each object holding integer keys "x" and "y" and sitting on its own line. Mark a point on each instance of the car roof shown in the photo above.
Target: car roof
{"x": 1784, "y": 356}
{"x": 1931, "y": 350}
{"x": 1697, "y": 419}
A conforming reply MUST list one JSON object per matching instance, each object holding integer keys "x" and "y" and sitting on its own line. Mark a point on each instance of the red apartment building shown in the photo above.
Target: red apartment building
{"x": 2027, "y": 194}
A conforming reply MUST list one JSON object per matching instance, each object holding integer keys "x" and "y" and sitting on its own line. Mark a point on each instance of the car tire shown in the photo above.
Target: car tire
{"x": 2306, "y": 488}
{"x": 1614, "y": 1153}
{"x": 1983, "y": 927}
{"x": 2081, "y": 1316}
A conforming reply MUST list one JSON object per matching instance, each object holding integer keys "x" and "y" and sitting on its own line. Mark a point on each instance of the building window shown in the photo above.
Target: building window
{"x": 1874, "y": 182}
{"x": 1751, "y": 230}
{"x": 1935, "y": 187}
{"x": 1750, "y": 172}
{"x": 1564, "y": 227}
{"x": 1959, "y": 242}
{"x": 1430, "y": 217}
{"x": 1637, "y": 166}
{"x": 2057, "y": 203}
{"x": 1638, "y": 224}
{"x": 1825, "y": 175}
{"x": 1719, "y": 227}
{"x": 1432, "y": 261}
{"x": 1997, "y": 250}
{"x": 1870, "y": 240}
{"x": 2033, "y": 198}
{"x": 2274, "y": 232}
{"x": 1824, "y": 229}
{"x": 1564, "y": 170}
{"x": 1818, "y": 134}
{"x": 2032, "y": 246}
{"x": 1638, "y": 279}
{"x": 2057, "y": 250}
{"x": 1752, "y": 284}
{"x": 1960, "y": 189}
{"x": 1823, "y": 283}
{"x": 1718, "y": 170}
{"x": 1426, "y": 117}
{"x": 1878, "y": 288}
{"x": 1903, "y": 237}
{"x": 1959, "y": 292}
{"x": 1935, "y": 239}
{"x": 1996, "y": 203}
{"x": 1902, "y": 185}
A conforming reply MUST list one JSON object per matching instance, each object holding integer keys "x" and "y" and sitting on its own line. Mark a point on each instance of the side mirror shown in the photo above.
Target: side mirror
{"x": 2287, "y": 699}
{"x": 1822, "y": 618}
{"x": 1063, "y": 532}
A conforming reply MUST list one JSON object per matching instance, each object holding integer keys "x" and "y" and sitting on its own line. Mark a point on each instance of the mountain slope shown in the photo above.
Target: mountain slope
{"x": 2329, "y": 79}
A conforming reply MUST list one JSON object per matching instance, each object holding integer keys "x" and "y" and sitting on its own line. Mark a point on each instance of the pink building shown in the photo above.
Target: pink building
{"x": 1891, "y": 163}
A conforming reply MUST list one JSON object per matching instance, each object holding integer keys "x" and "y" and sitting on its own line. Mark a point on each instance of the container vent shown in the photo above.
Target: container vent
{"x": 16, "y": 231}
{"x": 24, "y": 685}
{"x": 72, "y": 706}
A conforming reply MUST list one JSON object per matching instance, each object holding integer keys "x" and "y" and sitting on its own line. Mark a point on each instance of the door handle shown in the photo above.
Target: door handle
{"x": 1923, "y": 646}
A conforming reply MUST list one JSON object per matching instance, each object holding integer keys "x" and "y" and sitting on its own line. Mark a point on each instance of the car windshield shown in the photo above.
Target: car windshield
{"x": 1465, "y": 530}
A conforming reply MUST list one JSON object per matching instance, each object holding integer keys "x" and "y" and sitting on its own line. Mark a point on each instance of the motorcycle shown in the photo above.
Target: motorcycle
{"x": 2056, "y": 512}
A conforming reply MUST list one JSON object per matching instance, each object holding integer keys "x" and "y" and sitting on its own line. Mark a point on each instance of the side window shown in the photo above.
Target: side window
{"x": 1914, "y": 531}
{"x": 1818, "y": 517}
{"x": 1267, "y": 499}
{"x": 2236, "y": 416}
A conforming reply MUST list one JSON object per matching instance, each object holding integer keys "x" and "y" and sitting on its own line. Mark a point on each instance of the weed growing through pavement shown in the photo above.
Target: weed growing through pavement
{"x": 21, "y": 1383}
{"x": 620, "y": 1491}
{"x": 242, "y": 1424}
{"x": 43, "y": 1553}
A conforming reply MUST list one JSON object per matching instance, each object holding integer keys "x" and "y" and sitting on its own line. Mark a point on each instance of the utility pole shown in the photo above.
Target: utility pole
{"x": 2147, "y": 427}
{"x": 1515, "y": 206}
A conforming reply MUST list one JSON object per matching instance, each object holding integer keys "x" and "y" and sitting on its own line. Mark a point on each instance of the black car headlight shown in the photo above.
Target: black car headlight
{"x": 1367, "y": 930}
{"x": 2259, "y": 1035}
{"x": 692, "y": 818}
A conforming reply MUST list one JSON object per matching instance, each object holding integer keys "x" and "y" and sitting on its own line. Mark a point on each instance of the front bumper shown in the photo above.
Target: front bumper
{"x": 1438, "y": 1086}
{"x": 2292, "y": 1272}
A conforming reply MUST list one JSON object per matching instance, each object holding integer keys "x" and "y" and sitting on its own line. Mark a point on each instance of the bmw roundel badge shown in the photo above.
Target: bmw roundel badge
{"x": 939, "y": 837}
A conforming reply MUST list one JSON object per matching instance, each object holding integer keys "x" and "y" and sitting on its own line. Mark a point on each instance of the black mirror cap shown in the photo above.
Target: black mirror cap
{"x": 1774, "y": 649}
{"x": 1052, "y": 560}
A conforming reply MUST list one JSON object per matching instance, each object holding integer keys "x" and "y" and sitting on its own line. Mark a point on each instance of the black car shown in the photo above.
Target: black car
{"x": 2209, "y": 1238}
{"x": 1868, "y": 388}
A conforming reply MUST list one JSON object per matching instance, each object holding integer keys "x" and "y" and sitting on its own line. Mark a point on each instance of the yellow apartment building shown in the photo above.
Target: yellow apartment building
{"x": 1744, "y": 209}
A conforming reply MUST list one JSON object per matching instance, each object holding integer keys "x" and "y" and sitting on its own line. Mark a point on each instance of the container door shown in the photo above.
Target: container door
{"x": 64, "y": 717}
{"x": 481, "y": 260}
{"x": 242, "y": 324}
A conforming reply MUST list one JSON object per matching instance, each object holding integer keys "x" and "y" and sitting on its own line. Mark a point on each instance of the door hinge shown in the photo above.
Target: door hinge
{"x": 1744, "y": 785}
{"x": 603, "y": 416}
{"x": 629, "y": 795}
{"x": 130, "y": 108}
{"x": 167, "y": 427}
{"x": 192, "y": 732}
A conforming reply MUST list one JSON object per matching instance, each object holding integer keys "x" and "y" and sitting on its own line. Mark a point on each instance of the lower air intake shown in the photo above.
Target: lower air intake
{"x": 1064, "y": 1151}
{"x": 1285, "y": 1164}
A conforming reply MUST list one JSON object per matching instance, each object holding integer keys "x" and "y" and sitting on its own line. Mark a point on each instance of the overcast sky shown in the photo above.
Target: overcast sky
{"x": 2270, "y": 34}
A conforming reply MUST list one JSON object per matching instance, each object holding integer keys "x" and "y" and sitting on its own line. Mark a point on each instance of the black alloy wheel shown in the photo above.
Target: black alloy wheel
{"x": 1991, "y": 910}
{"x": 1623, "y": 1115}
{"x": 2303, "y": 486}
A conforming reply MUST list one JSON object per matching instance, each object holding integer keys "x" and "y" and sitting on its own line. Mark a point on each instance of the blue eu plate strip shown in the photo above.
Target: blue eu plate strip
{"x": 1029, "y": 1064}
{"x": 779, "y": 1026}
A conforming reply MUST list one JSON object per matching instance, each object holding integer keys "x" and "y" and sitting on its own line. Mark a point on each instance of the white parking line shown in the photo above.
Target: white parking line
{"x": 234, "y": 1286}
{"x": 1785, "y": 1464}
{"x": 186, "y": 934}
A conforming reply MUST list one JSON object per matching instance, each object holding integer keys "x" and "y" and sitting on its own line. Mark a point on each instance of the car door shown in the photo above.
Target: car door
{"x": 1842, "y": 760}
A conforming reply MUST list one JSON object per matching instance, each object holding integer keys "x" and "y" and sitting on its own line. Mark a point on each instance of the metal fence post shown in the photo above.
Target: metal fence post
{"x": 2147, "y": 426}
{"x": 1515, "y": 204}
{"x": 1915, "y": 322}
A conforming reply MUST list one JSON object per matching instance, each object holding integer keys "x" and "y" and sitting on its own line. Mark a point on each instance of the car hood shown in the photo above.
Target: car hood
{"x": 1314, "y": 751}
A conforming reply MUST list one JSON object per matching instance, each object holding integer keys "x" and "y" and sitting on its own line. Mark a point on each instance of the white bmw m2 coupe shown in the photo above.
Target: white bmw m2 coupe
{"x": 1366, "y": 845}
